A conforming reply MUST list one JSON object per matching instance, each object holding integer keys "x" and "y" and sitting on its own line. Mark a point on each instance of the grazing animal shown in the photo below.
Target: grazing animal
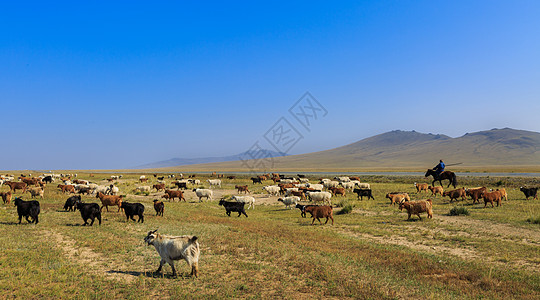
{"x": 109, "y": 200}
{"x": 361, "y": 193}
{"x": 503, "y": 193}
{"x": 318, "y": 212}
{"x": 476, "y": 193}
{"x": 71, "y": 203}
{"x": 48, "y": 179}
{"x": 204, "y": 193}
{"x": 66, "y": 188}
{"x": 214, "y": 182}
{"x": 27, "y": 209}
{"x": 398, "y": 198}
{"x": 363, "y": 185}
{"x": 159, "y": 206}
{"x": 250, "y": 201}
{"x": 529, "y": 192}
{"x": 112, "y": 190}
{"x": 455, "y": 194}
{"x": 256, "y": 180}
{"x": 417, "y": 207}
{"x": 298, "y": 194}
{"x": 175, "y": 194}
{"x": 231, "y": 177}
{"x": 288, "y": 201}
{"x": 89, "y": 211}
{"x": 338, "y": 191}
{"x": 172, "y": 248}
{"x": 272, "y": 189}
{"x": 143, "y": 188}
{"x": 436, "y": 190}
{"x": 181, "y": 185}
{"x": 14, "y": 186}
{"x": 323, "y": 197}
{"x": 446, "y": 175}
{"x": 159, "y": 186}
{"x": 302, "y": 209}
{"x": 233, "y": 207}
{"x": 133, "y": 209}
{"x": 348, "y": 185}
{"x": 490, "y": 197}
{"x": 316, "y": 186}
{"x": 6, "y": 196}
{"x": 421, "y": 187}
{"x": 35, "y": 192}
{"x": 242, "y": 188}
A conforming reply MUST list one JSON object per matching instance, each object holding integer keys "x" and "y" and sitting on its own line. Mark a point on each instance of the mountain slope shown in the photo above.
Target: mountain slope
{"x": 410, "y": 149}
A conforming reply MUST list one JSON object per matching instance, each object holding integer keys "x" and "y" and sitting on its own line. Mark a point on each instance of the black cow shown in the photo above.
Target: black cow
{"x": 132, "y": 209}
{"x": 256, "y": 180}
{"x": 361, "y": 193}
{"x": 233, "y": 206}
{"x": 181, "y": 185}
{"x": 71, "y": 203}
{"x": 47, "y": 179}
{"x": 27, "y": 209}
{"x": 302, "y": 208}
{"x": 529, "y": 192}
{"x": 89, "y": 211}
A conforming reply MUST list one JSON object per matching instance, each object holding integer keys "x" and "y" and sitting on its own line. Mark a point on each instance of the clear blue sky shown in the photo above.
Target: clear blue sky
{"x": 118, "y": 84}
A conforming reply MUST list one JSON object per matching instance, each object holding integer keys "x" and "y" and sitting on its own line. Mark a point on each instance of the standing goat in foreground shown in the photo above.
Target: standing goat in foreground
{"x": 172, "y": 248}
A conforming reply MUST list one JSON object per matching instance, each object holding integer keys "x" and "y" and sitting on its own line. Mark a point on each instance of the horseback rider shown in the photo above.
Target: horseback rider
{"x": 439, "y": 168}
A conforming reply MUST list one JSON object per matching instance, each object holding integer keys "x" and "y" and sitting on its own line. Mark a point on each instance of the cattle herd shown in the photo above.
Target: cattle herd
{"x": 290, "y": 190}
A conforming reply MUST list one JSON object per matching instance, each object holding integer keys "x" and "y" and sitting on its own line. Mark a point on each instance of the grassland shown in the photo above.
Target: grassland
{"x": 372, "y": 252}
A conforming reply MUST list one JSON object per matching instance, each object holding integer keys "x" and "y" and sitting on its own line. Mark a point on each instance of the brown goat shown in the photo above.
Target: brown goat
{"x": 14, "y": 186}
{"x": 421, "y": 187}
{"x": 417, "y": 207}
{"x": 490, "y": 197}
{"x": 455, "y": 194}
{"x": 175, "y": 194}
{"x": 503, "y": 194}
{"x": 159, "y": 207}
{"x": 66, "y": 188}
{"x": 476, "y": 193}
{"x": 159, "y": 186}
{"x": 318, "y": 212}
{"x": 242, "y": 188}
{"x": 6, "y": 196}
{"x": 398, "y": 198}
{"x": 436, "y": 190}
{"x": 109, "y": 200}
{"x": 338, "y": 191}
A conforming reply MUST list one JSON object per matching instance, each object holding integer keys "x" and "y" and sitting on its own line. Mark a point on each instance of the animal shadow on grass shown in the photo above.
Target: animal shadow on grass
{"x": 11, "y": 223}
{"x": 149, "y": 274}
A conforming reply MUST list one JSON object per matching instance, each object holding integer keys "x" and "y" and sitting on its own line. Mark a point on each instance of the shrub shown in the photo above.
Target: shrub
{"x": 534, "y": 220}
{"x": 346, "y": 210}
{"x": 456, "y": 211}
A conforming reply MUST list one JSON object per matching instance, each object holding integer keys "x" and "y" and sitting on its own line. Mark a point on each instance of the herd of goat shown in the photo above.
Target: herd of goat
{"x": 290, "y": 190}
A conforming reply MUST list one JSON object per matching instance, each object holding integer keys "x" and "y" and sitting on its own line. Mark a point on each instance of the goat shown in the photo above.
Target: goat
{"x": 132, "y": 209}
{"x": 317, "y": 212}
{"x": 417, "y": 207}
{"x": 89, "y": 211}
{"x": 172, "y": 248}
{"x": 233, "y": 207}
{"x": 27, "y": 209}
{"x": 159, "y": 206}
{"x": 108, "y": 200}
{"x": 71, "y": 203}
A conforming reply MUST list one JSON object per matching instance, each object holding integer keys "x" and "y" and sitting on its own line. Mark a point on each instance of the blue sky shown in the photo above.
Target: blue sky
{"x": 114, "y": 85}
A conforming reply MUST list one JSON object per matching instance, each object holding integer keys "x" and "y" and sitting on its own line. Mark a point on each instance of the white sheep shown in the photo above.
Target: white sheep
{"x": 323, "y": 197}
{"x": 214, "y": 182}
{"x": 316, "y": 186}
{"x": 289, "y": 191}
{"x": 343, "y": 179}
{"x": 303, "y": 180}
{"x": 245, "y": 199}
{"x": 329, "y": 184}
{"x": 286, "y": 181}
{"x": 172, "y": 248}
{"x": 272, "y": 189}
{"x": 112, "y": 190}
{"x": 143, "y": 188}
{"x": 208, "y": 194}
{"x": 348, "y": 185}
{"x": 288, "y": 201}
{"x": 363, "y": 185}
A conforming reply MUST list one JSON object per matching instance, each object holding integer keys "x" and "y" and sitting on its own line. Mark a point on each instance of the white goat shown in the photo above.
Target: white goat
{"x": 288, "y": 201}
{"x": 172, "y": 248}
{"x": 214, "y": 182}
{"x": 208, "y": 194}
{"x": 245, "y": 199}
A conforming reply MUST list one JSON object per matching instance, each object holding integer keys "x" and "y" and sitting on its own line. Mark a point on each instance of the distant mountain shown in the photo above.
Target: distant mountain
{"x": 414, "y": 150}
{"x": 204, "y": 160}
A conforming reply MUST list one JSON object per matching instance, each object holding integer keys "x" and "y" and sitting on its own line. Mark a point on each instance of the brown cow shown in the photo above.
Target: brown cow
{"x": 421, "y": 187}
{"x": 476, "y": 193}
{"x": 6, "y": 196}
{"x": 14, "y": 186}
{"x": 175, "y": 194}
{"x": 455, "y": 194}
{"x": 492, "y": 197}
{"x": 242, "y": 188}
{"x": 436, "y": 190}
{"x": 159, "y": 186}
{"x": 318, "y": 212}
{"x": 66, "y": 188}
{"x": 109, "y": 200}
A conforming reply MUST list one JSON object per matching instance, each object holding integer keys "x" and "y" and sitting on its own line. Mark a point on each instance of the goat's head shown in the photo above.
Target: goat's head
{"x": 150, "y": 238}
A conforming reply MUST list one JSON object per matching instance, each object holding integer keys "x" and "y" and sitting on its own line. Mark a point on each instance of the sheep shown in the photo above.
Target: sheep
{"x": 316, "y": 186}
{"x": 303, "y": 180}
{"x": 143, "y": 188}
{"x": 288, "y": 201}
{"x": 250, "y": 201}
{"x": 362, "y": 185}
{"x": 417, "y": 207}
{"x": 272, "y": 189}
{"x": 100, "y": 189}
{"x": 112, "y": 190}
{"x": 398, "y": 198}
{"x": 286, "y": 181}
{"x": 208, "y": 194}
{"x": 214, "y": 182}
{"x": 159, "y": 206}
{"x": 318, "y": 212}
{"x": 348, "y": 185}
{"x": 320, "y": 197}
{"x": 34, "y": 192}
{"x": 172, "y": 248}
{"x": 343, "y": 179}
{"x": 329, "y": 184}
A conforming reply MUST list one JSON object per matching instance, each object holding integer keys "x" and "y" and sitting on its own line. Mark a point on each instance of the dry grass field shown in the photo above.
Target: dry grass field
{"x": 371, "y": 252}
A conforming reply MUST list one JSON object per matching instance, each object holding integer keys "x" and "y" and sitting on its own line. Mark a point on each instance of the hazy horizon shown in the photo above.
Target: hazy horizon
{"x": 109, "y": 86}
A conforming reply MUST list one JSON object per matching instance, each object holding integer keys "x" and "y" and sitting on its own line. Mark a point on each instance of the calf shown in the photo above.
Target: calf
{"x": 159, "y": 206}
{"x": 175, "y": 194}
{"x": 361, "y": 193}
{"x": 318, "y": 212}
{"x": 242, "y": 188}
{"x": 132, "y": 209}
{"x": 27, "y": 209}
{"x": 172, "y": 248}
{"x": 455, "y": 194}
{"x": 89, "y": 211}
{"x": 71, "y": 203}
{"x": 6, "y": 196}
{"x": 233, "y": 207}
{"x": 529, "y": 192}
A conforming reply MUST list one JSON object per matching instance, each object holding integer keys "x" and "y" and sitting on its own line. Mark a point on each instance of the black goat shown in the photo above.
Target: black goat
{"x": 529, "y": 192}
{"x": 27, "y": 209}
{"x": 71, "y": 203}
{"x": 302, "y": 208}
{"x": 361, "y": 193}
{"x": 132, "y": 209}
{"x": 89, "y": 211}
{"x": 233, "y": 206}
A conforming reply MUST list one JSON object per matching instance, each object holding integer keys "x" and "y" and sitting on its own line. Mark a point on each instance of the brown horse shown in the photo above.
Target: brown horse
{"x": 446, "y": 175}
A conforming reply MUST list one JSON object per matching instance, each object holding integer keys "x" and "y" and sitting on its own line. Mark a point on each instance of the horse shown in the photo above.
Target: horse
{"x": 446, "y": 175}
